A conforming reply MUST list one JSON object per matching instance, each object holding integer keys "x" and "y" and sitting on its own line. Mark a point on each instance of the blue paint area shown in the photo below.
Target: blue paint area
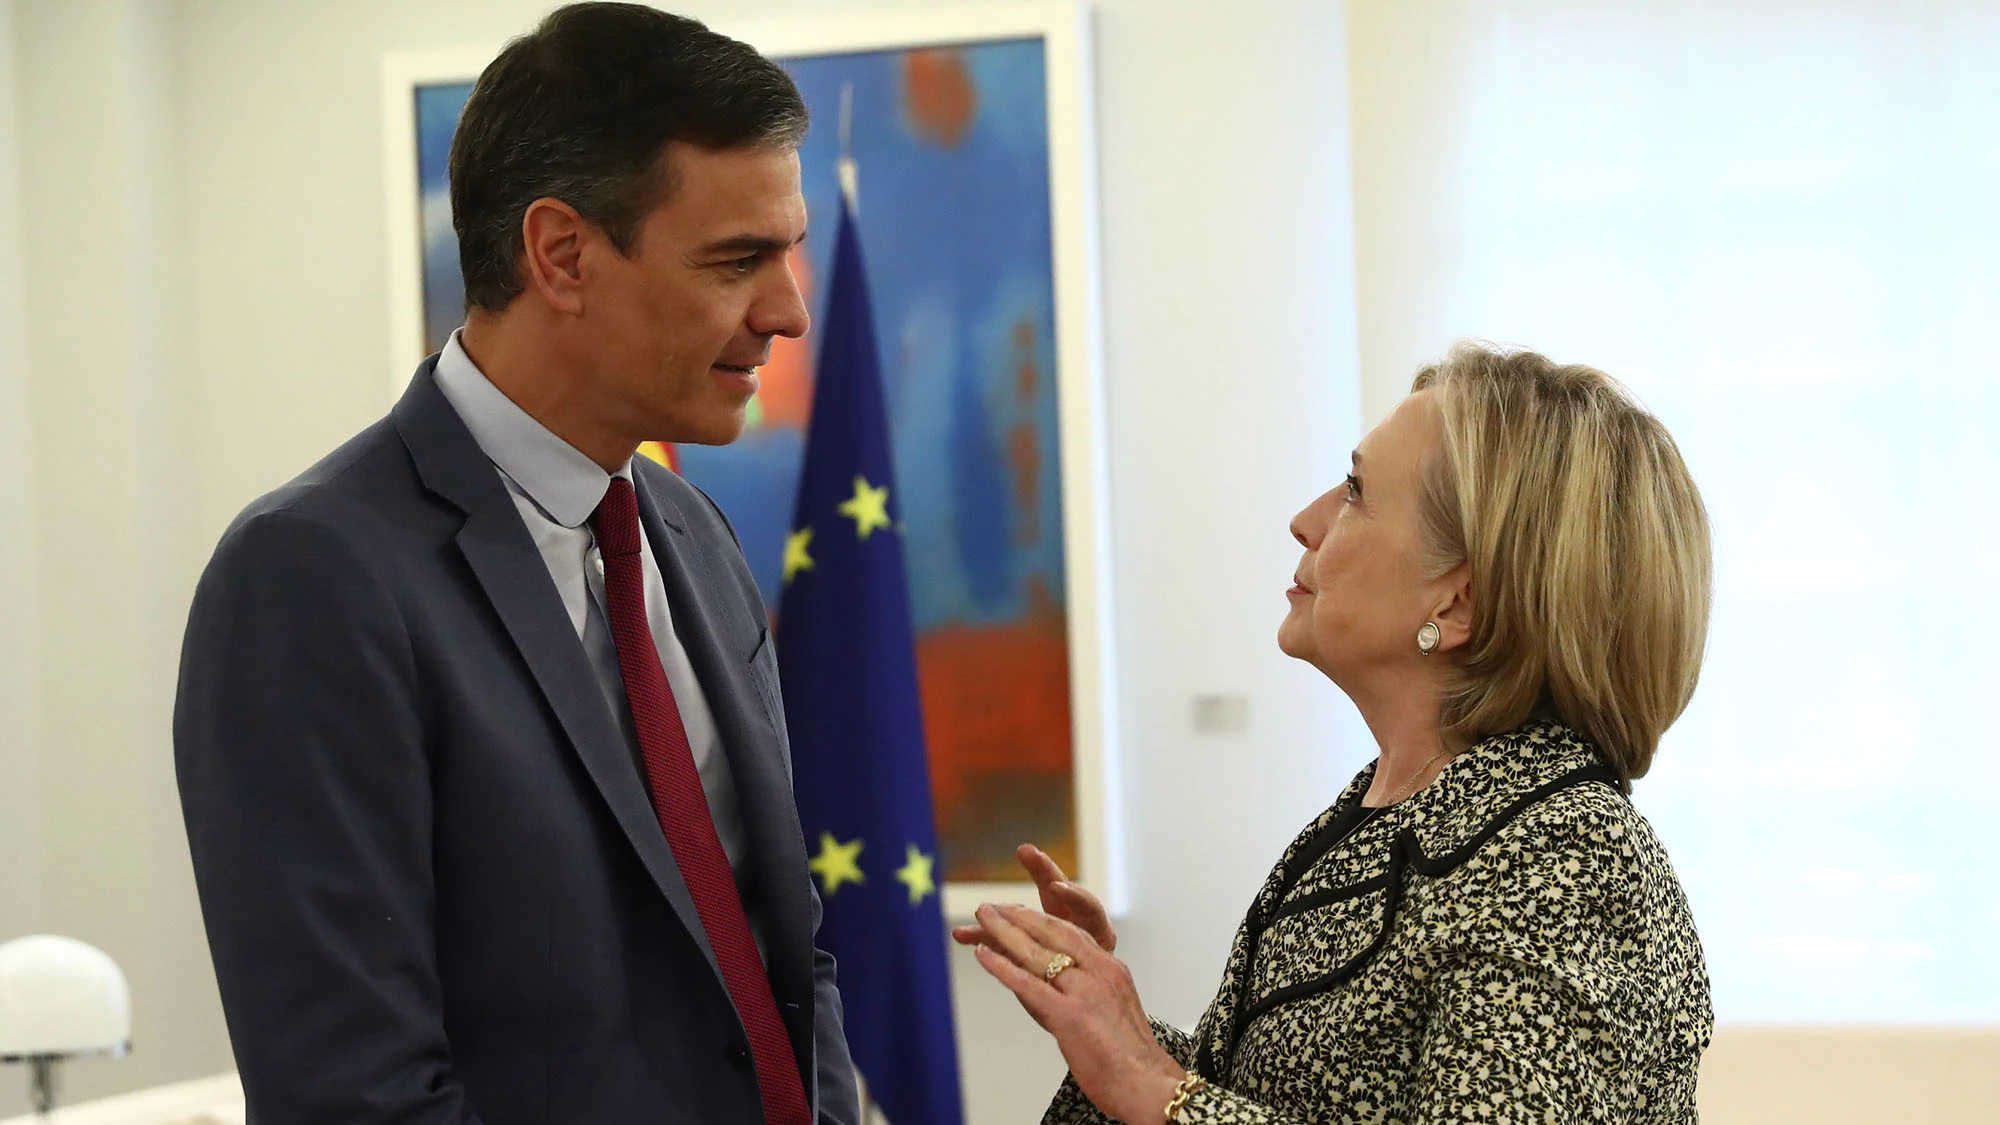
{"x": 741, "y": 479}
{"x": 958, "y": 246}
{"x": 978, "y": 487}
{"x": 437, "y": 119}
{"x": 444, "y": 289}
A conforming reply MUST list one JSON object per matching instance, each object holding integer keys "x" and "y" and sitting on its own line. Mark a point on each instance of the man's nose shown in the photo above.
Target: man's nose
{"x": 781, "y": 310}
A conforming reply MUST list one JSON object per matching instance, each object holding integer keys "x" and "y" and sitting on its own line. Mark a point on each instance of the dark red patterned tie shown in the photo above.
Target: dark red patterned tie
{"x": 682, "y": 808}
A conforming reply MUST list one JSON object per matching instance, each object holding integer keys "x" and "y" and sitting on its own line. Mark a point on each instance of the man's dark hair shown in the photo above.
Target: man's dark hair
{"x": 582, "y": 110}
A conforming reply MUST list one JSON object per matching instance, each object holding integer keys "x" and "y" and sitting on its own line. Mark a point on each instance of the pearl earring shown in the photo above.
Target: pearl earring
{"x": 1427, "y": 638}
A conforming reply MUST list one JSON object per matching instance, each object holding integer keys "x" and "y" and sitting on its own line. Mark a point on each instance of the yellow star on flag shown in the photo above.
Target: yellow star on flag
{"x": 796, "y": 556}
{"x": 916, "y": 875}
{"x": 869, "y": 508}
{"x": 836, "y": 863}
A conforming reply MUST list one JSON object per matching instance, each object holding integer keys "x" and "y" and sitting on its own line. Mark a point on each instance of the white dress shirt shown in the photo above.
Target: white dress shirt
{"x": 556, "y": 488}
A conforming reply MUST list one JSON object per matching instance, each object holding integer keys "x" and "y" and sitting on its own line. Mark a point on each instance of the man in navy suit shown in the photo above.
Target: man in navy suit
{"x": 479, "y": 736}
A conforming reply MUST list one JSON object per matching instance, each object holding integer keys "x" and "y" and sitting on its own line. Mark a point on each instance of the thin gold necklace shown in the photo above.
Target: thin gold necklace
{"x": 1410, "y": 785}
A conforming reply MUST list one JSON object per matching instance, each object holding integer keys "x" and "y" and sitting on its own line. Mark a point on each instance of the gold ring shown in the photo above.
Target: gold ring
{"x": 1057, "y": 964}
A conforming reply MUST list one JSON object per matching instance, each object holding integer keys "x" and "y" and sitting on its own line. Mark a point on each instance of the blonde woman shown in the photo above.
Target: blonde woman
{"x": 1513, "y": 588}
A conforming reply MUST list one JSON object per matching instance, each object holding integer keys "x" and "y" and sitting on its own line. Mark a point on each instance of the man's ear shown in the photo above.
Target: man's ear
{"x": 552, "y": 238}
{"x": 1453, "y": 608}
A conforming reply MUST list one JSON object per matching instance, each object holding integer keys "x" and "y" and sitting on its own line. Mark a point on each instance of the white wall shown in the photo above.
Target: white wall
{"x": 1772, "y": 219}
{"x": 210, "y": 309}
{"x": 106, "y": 498}
{"x": 20, "y": 822}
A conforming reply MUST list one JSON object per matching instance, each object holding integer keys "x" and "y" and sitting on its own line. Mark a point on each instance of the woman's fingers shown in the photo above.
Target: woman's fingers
{"x": 1075, "y": 904}
{"x": 1046, "y": 932}
{"x": 1004, "y": 936}
{"x": 1065, "y": 899}
{"x": 1036, "y": 862}
{"x": 1034, "y": 994}
{"x": 1044, "y": 871}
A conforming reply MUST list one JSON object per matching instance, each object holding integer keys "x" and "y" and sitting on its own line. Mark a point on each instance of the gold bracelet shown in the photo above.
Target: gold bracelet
{"x": 1188, "y": 1088}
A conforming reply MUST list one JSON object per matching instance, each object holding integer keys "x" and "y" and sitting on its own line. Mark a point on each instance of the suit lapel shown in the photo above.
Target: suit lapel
{"x": 515, "y": 579}
{"x": 721, "y": 642}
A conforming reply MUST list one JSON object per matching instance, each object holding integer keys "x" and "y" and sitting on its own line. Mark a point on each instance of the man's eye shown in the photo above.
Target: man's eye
{"x": 1353, "y": 488}
{"x": 744, "y": 265}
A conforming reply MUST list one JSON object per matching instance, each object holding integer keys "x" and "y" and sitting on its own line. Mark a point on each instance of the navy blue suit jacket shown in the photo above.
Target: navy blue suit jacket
{"x": 434, "y": 886}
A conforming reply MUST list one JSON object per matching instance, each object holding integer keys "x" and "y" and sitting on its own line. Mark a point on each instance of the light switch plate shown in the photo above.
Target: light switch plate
{"x": 1221, "y": 714}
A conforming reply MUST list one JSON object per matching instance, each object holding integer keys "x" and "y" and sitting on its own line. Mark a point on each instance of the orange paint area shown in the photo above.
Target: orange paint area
{"x": 939, "y": 96}
{"x": 997, "y": 718}
{"x": 1027, "y": 380}
{"x": 1024, "y": 464}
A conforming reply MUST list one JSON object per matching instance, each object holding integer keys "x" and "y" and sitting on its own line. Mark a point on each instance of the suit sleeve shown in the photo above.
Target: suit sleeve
{"x": 299, "y": 748}
{"x": 839, "y": 1101}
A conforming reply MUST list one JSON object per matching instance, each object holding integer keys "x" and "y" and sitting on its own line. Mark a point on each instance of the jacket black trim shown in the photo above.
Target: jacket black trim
{"x": 1406, "y": 855}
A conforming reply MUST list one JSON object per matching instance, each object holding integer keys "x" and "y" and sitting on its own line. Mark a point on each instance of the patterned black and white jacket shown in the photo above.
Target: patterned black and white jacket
{"x": 1508, "y": 945}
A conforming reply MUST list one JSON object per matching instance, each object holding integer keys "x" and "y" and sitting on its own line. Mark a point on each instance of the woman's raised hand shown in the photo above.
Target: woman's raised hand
{"x": 1060, "y": 898}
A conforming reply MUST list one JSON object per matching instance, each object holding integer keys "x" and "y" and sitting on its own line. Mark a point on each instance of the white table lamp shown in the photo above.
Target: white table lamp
{"x": 59, "y": 999}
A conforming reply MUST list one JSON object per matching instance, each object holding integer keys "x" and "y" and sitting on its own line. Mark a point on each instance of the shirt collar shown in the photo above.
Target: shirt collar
{"x": 562, "y": 482}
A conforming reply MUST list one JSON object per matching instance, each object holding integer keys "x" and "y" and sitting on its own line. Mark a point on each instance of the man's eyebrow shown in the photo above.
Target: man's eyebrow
{"x": 749, "y": 244}
{"x": 1356, "y": 458}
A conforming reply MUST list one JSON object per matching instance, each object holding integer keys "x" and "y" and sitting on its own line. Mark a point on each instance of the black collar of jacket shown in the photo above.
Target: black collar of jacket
{"x": 1440, "y": 828}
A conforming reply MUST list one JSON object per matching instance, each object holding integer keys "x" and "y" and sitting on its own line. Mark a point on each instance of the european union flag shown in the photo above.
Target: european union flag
{"x": 845, "y": 651}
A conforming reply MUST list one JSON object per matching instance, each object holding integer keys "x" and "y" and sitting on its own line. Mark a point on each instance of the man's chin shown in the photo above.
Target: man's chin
{"x": 713, "y": 427}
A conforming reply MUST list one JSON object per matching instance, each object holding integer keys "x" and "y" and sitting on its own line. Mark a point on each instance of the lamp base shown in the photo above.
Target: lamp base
{"x": 42, "y": 1083}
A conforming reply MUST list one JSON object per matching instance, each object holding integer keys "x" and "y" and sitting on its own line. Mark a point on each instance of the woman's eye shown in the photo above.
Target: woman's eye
{"x": 1353, "y": 488}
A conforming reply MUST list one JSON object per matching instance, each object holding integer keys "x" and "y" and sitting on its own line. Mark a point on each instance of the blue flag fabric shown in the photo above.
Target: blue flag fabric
{"x": 847, "y": 661}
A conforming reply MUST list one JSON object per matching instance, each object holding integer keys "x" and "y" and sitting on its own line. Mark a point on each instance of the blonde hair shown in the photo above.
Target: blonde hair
{"x": 1587, "y": 549}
